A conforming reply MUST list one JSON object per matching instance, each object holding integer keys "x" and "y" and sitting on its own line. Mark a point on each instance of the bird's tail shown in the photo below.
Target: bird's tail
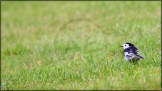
{"x": 140, "y": 56}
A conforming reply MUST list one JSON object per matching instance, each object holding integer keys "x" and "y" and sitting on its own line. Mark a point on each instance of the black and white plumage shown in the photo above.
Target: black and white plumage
{"x": 131, "y": 52}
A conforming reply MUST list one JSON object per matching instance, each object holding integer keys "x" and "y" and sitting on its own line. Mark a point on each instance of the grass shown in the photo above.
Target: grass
{"x": 75, "y": 45}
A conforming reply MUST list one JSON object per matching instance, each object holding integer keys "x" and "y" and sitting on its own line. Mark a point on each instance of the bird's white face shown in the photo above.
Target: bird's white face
{"x": 125, "y": 46}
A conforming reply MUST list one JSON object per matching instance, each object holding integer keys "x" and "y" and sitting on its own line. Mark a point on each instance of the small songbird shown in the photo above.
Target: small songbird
{"x": 131, "y": 52}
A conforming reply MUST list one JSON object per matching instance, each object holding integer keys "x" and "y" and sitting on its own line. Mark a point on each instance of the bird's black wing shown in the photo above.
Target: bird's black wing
{"x": 135, "y": 51}
{"x": 132, "y": 51}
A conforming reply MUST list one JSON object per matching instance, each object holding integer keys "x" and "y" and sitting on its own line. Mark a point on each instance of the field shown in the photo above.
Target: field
{"x": 75, "y": 45}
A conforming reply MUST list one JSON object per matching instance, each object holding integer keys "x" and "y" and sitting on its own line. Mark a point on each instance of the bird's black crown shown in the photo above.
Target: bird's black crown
{"x": 130, "y": 44}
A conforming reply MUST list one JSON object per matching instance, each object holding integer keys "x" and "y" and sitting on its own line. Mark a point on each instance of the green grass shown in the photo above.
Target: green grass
{"x": 75, "y": 45}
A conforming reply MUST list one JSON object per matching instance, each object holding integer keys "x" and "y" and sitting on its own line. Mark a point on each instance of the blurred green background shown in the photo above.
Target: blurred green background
{"x": 74, "y": 45}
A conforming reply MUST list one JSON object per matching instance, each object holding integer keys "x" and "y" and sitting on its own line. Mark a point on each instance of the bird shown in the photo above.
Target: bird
{"x": 131, "y": 52}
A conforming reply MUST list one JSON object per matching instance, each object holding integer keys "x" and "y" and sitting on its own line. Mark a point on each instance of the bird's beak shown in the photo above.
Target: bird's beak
{"x": 121, "y": 46}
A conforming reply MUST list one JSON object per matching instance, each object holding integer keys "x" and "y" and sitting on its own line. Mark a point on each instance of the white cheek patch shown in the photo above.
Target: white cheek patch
{"x": 126, "y": 47}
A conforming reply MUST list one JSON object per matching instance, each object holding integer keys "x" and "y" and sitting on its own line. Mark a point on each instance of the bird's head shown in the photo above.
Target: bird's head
{"x": 127, "y": 45}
